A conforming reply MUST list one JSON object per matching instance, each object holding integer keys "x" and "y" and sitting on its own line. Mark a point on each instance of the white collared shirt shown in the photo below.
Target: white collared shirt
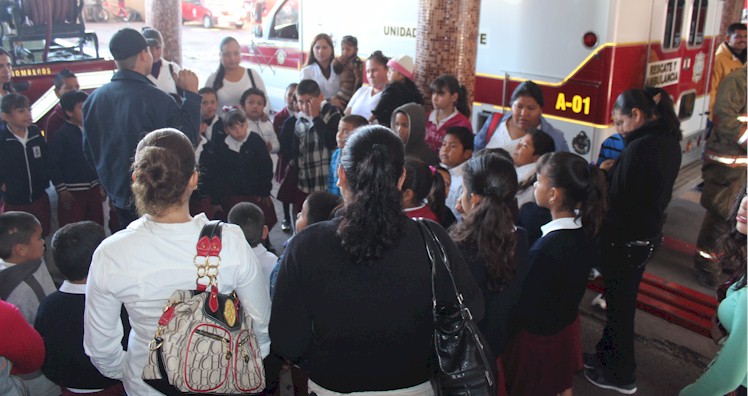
{"x": 73, "y": 288}
{"x": 564, "y": 223}
{"x": 455, "y": 189}
{"x": 432, "y": 118}
{"x": 235, "y": 145}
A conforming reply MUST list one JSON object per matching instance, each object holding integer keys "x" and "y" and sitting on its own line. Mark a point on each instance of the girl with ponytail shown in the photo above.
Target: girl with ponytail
{"x": 496, "y": 251}
{"x": 548, "y": 345}
{"x": 451, "y": 109}
{"x": 370, "y": 267}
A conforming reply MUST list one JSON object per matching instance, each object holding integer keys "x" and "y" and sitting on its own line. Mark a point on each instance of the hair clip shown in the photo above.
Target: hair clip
{"x": 226, "y": 109}
{"x": 432, "y": 169}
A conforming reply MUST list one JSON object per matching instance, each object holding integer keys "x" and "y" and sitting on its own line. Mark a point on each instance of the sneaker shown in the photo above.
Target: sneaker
{"x": 596, "y": 377}
{"x": 599, "y": 301}
{"x": 286, "y": 226}
{"x": 590, "y": 360}
{"x": 594, "y": 274}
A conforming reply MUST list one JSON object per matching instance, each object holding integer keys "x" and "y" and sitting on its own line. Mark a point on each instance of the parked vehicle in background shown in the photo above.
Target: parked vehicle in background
{"x": 213, "y": 13}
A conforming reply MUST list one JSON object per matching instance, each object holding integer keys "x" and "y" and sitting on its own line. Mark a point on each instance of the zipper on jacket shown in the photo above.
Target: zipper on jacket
{"x": 28, "y": 168}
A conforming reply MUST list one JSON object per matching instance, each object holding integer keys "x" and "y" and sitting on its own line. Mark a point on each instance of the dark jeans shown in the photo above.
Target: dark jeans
{"x": 125, "y": 216}
{"x": 623, "y": 265}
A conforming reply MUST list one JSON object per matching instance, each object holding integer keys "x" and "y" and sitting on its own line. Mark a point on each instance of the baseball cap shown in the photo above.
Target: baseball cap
{"x": 126, "y": 43}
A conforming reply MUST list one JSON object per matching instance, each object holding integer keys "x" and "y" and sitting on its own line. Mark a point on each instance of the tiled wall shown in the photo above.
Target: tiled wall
{"x": 166, "y": 16}
{"x": 447, "y": 42}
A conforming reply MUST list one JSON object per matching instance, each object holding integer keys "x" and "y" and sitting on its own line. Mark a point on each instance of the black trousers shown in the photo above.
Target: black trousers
{"x": 623, "y": 265}
{"x": 125, "y": 216}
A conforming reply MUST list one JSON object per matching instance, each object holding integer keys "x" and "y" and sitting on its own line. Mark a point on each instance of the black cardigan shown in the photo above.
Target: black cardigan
{"x": 361, "y": 327}
{"x": 559, "y": 265}
{"x": 640, "y": 184}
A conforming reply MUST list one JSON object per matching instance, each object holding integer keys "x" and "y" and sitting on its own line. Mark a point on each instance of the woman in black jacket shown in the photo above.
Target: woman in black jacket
{"x": 640, "y": 185}
{"x": 353, "y": 296}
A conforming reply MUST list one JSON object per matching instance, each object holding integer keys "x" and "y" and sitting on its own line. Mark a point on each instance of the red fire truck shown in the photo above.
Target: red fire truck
{"x": 582, "y": 53}
{"x": 44, "y": 37}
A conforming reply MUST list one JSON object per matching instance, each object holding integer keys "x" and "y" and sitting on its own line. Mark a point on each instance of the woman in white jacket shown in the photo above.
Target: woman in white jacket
{"x": 144, "y": 264}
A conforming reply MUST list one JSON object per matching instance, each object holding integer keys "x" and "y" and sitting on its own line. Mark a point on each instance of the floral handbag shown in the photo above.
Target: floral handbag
{"x": 204, "y": 342}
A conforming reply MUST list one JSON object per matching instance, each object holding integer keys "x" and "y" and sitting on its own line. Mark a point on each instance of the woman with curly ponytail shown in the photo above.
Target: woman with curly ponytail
{"x": 142, "y": 265}
{"x": 354, "y": 292}
{"x": 487, "y": 228}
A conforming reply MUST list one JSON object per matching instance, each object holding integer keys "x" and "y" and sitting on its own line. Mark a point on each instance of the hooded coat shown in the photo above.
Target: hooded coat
{"x": 416, "y": 145}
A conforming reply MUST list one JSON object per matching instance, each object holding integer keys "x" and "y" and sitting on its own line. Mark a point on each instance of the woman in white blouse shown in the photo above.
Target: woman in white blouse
{"x": 144, "y": 264}
{"x": 231, "y": 79}
{"x": 367, "y": 97}
{"x": 319, "y": 66}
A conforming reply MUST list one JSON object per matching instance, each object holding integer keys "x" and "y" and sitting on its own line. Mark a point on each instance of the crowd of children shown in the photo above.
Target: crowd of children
{"x": 526, "y": 223}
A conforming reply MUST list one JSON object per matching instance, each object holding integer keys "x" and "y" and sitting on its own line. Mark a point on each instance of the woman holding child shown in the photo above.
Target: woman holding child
{"x": 144, "y": 264}
{"x": 370, "y": 267}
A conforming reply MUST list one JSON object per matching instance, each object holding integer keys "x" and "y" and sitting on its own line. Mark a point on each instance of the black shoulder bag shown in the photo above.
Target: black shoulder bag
{"x": 463, "y": 363}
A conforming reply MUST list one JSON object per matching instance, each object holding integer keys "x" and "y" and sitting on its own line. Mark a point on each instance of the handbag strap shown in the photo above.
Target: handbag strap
{"x": 434, "y": 250}
{"x": 208, "y": 259}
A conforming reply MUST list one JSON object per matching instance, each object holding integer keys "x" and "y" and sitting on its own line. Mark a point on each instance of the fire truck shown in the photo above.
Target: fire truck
{"x": 44, "y": 37}
{"x": 582, "y": 53}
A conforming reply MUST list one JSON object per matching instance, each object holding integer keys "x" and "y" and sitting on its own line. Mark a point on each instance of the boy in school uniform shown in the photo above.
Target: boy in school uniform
{"x": 314, "y": 137}
{"x": 59, "y": 319}
{"x": 211, "y": 131}
{"x": 253, "y": 102}
{"x": 76, "y": 182}
{"x": 23, "y": 161}
{"x": 24, "y": 279}
{"x": 346, "y": 127}
{"x": 65, "y": 81}
{"x": 251, "y": 220}
{"x": 457, "y": 147}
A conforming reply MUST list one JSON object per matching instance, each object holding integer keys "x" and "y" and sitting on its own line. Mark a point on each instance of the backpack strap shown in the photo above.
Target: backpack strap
{"x": 207, "y": 259}
{"x": 251, "y": 77}
{"x": 13, "y": 276}
{"x": 495, "y": 120}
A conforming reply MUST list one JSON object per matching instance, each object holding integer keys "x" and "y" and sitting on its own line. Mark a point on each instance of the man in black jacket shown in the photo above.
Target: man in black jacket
{"x": 117, "y": 115}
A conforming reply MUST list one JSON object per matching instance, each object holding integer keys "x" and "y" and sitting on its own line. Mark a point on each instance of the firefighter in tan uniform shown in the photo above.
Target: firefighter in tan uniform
{"x": 724, "y": 172}
{"x": 730, "y": 55}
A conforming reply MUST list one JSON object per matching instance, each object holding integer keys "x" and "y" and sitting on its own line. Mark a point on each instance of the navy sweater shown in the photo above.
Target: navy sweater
{"x": 60, "y": 322}
{"x": 69, "y": 169}
{"x": 248, "y": 172}
{"x": 559, "y": 265}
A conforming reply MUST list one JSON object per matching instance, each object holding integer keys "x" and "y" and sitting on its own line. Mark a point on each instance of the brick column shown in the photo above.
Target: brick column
{"x": 447, "y": 43}
{"x": 166, "y": 16}
{"x": 732, "y": 10}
